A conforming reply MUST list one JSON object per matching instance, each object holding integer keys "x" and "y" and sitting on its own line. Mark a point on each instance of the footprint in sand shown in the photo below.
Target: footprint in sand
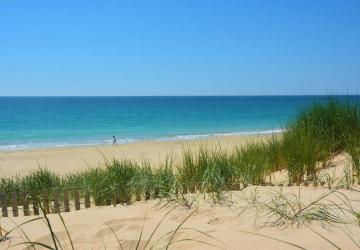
{"x": 125, "y": 221}
{"x": 220, "y": 220}
{"x": 80, "y": 240}
{"x": 130, "y": 224}
{"x": 78, "y": 227}
{"x": 131, "y": 244}
{"x": 47, "y": 239}
{"x": 203, "y": 212}
{"x": 182, "y": 214}
{"x": 107, "y": 231}
{"x": 133, "y": 228}
{"x": 177, "y": 216}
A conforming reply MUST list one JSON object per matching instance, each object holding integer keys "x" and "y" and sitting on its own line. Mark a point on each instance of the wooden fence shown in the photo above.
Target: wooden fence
{"x": 47, "y": 202}
{"x": 57, "y": 200}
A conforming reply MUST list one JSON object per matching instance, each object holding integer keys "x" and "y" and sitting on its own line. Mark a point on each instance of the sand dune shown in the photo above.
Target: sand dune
{"x": 209, "y": 226}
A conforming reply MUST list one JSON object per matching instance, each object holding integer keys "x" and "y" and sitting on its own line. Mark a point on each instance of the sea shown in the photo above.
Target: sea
{"x": 34, "y": 122}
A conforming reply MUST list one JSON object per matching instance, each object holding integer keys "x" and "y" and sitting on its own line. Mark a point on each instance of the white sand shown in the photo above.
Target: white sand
{"x": 223, "y": 222}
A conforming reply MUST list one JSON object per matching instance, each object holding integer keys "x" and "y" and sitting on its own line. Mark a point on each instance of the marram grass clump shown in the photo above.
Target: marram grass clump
{"x": 317, "y": 133}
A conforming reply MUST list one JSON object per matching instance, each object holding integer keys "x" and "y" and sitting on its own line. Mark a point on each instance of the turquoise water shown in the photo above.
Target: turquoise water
{"x": 29, "y": 122}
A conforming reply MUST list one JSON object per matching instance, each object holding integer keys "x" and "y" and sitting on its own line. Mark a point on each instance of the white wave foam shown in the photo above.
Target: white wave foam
{"x": 199, "y": 136}
{"x": 12, "y": 147}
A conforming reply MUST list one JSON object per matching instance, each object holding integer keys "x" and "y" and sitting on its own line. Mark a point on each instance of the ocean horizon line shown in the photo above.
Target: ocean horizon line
{"x": 250, "y": 95}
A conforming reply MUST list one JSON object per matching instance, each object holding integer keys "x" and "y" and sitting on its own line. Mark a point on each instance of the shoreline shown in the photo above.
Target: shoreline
{"x": 15, "y": 148}
{"x": 64, "y": 160}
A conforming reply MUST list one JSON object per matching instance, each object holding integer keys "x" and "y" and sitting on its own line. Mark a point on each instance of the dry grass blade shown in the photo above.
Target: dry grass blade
{"x": 117, "y": 238}
{"x": 203, "y": 233}
{"x": 67, "y": 231}
{"x": 198, "y": 241}
{"x": 157, "y": 226}
{"x": 33, "y": 243}
{"x": 323, "y": 237}
{"x": 53, "y": 235}
{"x": 352, "y": 238}
{"x": 316, "y": 201}
{"x": 141, "y": 233}
{"x": 178, "y": 227}
{"x": 102, "y": 240}
{"x": 273, "y": 238}
{"x": 23, "y": 232}
{"x": 19, "y": 227}
{"x": 192, "y": 239}
{"x": 1, "y": 231}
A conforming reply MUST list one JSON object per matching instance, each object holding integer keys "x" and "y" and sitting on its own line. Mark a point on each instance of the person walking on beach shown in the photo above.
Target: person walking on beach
{"x": 114, "y": 141}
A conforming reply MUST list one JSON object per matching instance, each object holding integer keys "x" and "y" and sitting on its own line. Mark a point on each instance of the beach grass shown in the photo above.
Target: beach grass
{"x": 317, "y": 133}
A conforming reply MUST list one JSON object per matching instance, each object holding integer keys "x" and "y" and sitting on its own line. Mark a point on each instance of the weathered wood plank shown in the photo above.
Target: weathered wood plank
{"x": 87, "y": 199}
{"x": 66, "y": 201}
{"x": 147, "y": 195}
{"x": 56, "y": 195}
{"x": 77, "y": 199}
{"x": 45, "y": 201}
{"x": 138, "y": 196}
{"x": 114, "y": 198}
{"x": 118, "y": 199}
{"x": 3, "y": 202}
{"x": 25, "y": 197}
{"x": 14, "y": 204}
{"x": 35, "y": 202}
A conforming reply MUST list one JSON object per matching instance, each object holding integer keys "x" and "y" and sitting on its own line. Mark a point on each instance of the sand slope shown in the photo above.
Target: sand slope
{"x": 89, "y": 229}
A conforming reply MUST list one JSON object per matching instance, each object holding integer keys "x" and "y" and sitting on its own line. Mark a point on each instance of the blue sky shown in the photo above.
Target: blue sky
{"x": 182, "y": 47}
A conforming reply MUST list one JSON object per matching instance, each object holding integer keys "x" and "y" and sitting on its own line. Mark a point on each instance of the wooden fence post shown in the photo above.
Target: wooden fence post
{"x": 25, "y": 198}
{"x": 14, "y": 203}
{"x": 35, "y": 201}
{"x": 147, "y": 195}
{"x": 45, "y": 200}
{"x": 3, "y": 202}
{"x": 56, "y": 194}
{"x": 66, "y": 201}
{"x": 138, "y": 195}
{"x": 87, "y": 199}
{"x": 114, "y": 198}
{"x": 77, "y": 199}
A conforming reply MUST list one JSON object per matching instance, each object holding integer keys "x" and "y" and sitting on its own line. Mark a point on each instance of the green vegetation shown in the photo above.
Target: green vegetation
{"x": 317, "y": 133}
{"x": 307, "y": 145}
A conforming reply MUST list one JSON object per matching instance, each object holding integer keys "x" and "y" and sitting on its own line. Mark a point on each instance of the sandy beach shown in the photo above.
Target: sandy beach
{"x": 241, "y": 221}
{"x": 72, "y": 159}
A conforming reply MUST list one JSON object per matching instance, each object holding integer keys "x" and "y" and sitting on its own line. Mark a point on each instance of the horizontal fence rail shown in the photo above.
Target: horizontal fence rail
{"x": 54, "y": 201}
{"x": 66, "y": 200}
{"x": 59, "y": 200}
